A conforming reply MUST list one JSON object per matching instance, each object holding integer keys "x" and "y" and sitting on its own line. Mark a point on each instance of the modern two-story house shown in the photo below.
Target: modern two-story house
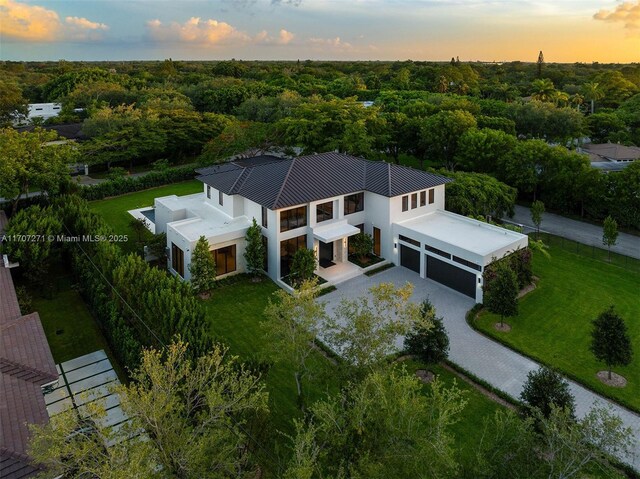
{"x": 320, "y": 201}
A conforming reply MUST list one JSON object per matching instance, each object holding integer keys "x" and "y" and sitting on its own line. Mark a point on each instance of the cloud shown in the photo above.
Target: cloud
{"x": 85, "y": 24}
{"x": 284, "y": 38}
{"x": 211, "y": 33}
{"x": 28, "y": 22}
{"x": 196, "y": 31}
{"x": 333, "y": 43}
{"x": 294, "y": 3}
{"x": 627, "y": 13}
{"x": 33, "y": 23}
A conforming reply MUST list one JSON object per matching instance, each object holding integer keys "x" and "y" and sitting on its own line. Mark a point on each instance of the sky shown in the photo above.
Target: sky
{"x": 496, "y": 30}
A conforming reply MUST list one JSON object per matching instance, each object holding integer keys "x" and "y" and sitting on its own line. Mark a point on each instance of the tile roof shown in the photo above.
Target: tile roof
{"x": 26, "y": 364}
{"x": 278, "y": 183}
{"x": 613, "y": 151}
{"x": 24, "y": 351}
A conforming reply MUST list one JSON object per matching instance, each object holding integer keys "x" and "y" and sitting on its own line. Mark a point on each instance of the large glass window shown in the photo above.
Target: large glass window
{"x": 414, "y": 201}
{"x": 324, "y": 211}
{"x": 264, "y": 217}
{"x": 220, "y": 198}
{"x": 405, "y": 203}
{"x": 177, "y": 260}
{"x": 423, "y": 198}
{"x": 287, "y": 250}
{"x": 431, "y": 196}
{"x": 225, "y": 259}
{"x": 293, "y": 218}
{"x": 353, "y": 203}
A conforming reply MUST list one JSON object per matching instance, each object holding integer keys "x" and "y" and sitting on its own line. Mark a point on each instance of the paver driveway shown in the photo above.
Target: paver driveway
{"x": 487, "y": 359}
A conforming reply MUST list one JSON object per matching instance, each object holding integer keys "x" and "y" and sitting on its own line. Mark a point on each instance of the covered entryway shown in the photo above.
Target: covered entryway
{"x": 410, "y": 258}
{"x": 451, "y": 276}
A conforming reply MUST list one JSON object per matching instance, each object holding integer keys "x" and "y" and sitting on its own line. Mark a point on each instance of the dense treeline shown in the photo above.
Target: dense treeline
{"x": 506, "y": 120}
{"x": 135, "y": 304}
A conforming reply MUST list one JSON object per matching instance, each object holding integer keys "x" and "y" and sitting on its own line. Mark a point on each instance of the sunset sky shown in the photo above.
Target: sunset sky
{"x": 498, "y": 30}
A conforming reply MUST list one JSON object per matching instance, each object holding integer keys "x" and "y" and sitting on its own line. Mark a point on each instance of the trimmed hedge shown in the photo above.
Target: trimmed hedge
{"x": 135, "y": 304}
{"x": 120, "y": 186}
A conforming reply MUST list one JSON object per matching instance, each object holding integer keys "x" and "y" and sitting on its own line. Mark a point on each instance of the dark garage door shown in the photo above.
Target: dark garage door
{"x": 451, "y": 276}
{"x": 410, "y": 258}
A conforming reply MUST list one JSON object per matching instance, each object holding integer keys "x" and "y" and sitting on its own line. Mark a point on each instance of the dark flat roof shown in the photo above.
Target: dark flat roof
{"x": 278, "y": 183}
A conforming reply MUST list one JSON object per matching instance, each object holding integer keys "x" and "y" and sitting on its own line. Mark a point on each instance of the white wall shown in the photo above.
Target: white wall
{"x": 165, "y": 215}
{"x": 44, "y": 110}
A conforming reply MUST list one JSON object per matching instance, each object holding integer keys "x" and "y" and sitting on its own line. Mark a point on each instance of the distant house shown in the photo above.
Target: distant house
{"x": 610, "y": 156}
{"x": 26, "y": 370}
{"x": 43, "y": 110}
{"x": 319, "y": 202}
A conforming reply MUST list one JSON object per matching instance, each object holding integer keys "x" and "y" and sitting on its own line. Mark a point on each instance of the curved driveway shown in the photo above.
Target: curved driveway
{"x": 499, "y": 366}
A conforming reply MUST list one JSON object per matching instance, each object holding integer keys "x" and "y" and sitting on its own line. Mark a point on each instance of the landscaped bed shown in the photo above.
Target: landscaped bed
{"x": 365, "y": 262}
{"x": 554, "y": 321}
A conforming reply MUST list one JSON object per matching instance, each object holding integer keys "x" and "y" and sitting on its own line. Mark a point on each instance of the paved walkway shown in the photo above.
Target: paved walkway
{"x": 487, "y": 359}
{"x": 580, "y": 231}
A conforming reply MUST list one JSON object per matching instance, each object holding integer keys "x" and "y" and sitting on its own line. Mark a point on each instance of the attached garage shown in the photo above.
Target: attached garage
{"x": 410, "y": 258}
{"x": 451, "y": 276}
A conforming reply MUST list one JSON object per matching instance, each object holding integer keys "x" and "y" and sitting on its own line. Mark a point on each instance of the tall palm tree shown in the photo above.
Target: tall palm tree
{"x": 543, "y": 89}
{"x": 592, "y": 91}
{"x": 577, "y": 100}
{"x": 560, "y": 98}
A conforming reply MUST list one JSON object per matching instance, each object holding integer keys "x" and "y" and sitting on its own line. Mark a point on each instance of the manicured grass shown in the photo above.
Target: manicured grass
{"x": 479, "y": 408}
{"x": 234, "y": 313}
{"x": 114, "y": 210}
{"x": 554, "y": 321}
{"x": 70, "y": 329}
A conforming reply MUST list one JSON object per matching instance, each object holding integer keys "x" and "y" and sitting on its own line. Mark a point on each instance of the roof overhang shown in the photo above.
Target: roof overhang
{"x": 334, "y": 231}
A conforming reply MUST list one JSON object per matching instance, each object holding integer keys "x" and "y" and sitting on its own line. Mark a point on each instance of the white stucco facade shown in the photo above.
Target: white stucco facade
{"x": 419, "y": 216}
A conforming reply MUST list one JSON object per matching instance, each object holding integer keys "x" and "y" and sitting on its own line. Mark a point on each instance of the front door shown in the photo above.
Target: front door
{"x": 326, "y": 255}
{"x": 376, "y": 241}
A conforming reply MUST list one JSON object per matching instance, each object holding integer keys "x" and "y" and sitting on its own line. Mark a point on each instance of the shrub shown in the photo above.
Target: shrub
{"x": 120, "y": 186}
{"x": 303, "y": 265}
{"x": 430, "y": 344}
{"x": 362, "y": 244}
{"x": 544, "y": 389}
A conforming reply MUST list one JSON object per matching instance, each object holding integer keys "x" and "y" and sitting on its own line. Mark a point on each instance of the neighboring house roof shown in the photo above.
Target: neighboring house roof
{"x": 281, "y": 182}
{"x": 71, "y": 131}
{"x": 26, "y": 364}
{"x": 612, "y": 152}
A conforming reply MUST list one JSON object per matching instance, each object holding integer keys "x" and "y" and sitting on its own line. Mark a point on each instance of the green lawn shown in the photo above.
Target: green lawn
{"x": 554, "y": 321}
{"x": 114, "y": 210}
{"x": 234, "y": 313}
{"x": 71, "y": 330}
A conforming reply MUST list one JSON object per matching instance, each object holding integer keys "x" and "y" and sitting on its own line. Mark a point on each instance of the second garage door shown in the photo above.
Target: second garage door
{"x": 451, "y": 276}
{"x": 410, "y": 258}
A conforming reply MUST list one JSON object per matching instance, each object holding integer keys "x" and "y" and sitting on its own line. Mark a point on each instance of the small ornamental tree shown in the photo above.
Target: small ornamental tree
{"x": 254, "y": 252}
{"x": 501, "y": 291}
{"x": 610, "y": 342}
{"x": 303, "y": 264}
{"x": 362, "y": 244}
{"x": 428, "y": 339}
{"x": 609, "y": 233}
{"x": 537, "y": 208}
{"x": 202, "y": 268}
{"x": 543, "y": 390}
